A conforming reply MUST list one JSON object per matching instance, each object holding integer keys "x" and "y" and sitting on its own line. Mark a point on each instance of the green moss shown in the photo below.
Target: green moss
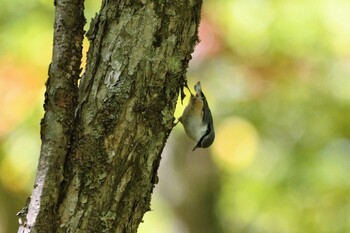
{"x": 174, "y": 64}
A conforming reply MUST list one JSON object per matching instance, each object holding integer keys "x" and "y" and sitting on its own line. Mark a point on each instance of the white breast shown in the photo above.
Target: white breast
{"x": 195, "y": 129}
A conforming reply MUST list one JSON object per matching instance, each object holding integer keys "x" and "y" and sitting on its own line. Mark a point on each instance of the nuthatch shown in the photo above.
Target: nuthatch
{"x": 197, "y": 120}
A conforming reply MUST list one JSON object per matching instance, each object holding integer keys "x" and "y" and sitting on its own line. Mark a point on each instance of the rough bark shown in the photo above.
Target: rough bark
{"x": 57, "y": 124}
{"x": 137, "y": 60}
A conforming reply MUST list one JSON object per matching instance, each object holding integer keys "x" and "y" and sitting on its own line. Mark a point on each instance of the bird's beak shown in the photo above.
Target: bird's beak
{"x": 195, "y": 147}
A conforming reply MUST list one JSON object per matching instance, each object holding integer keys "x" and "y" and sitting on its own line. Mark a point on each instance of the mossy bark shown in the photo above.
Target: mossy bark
{"x": 119, "y": 118}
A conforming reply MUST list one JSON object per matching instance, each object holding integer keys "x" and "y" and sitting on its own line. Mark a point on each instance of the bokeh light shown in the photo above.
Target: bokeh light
{"x": 236, "y": 144}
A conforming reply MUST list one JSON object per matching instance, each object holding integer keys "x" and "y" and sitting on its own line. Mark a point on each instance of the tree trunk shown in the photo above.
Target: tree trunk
{"x": 101, "y": 148}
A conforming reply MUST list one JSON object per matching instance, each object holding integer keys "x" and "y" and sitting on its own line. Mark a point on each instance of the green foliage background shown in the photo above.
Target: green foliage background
{"x": 277, "y": 77}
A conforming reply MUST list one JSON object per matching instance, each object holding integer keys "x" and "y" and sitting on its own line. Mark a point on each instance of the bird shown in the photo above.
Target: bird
{"x": 197, "y": 119}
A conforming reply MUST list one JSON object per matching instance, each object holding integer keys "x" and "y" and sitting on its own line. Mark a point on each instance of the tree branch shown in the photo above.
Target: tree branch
{"x": 57, "y": 124}
{"x": 138, "y": 56}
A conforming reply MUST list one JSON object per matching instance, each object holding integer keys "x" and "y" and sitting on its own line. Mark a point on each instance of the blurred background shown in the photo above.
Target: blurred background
{"x": 277, "y": 78}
